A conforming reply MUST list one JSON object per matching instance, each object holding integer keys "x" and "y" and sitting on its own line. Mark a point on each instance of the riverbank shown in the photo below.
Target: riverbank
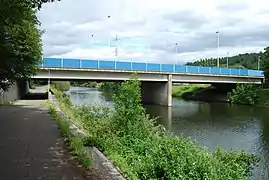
{"x": 133, "y": 134}
{"x": 206, "y": 93}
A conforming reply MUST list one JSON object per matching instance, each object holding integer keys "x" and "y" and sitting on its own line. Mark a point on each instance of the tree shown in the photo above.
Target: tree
{"x": 265, "y": 59}
{"x": 247, "y": 60}
{"x": 20, "y": 48}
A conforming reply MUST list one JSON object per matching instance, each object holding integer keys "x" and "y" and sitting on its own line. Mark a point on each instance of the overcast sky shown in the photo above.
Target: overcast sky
{"x": 149, "y": 29}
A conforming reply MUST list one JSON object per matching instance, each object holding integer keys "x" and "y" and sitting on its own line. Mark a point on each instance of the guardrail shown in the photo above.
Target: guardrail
{"x": 140, "y": 66}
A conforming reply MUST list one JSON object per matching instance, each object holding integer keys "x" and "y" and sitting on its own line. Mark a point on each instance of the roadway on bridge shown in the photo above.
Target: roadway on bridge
{"x": 31, "y": 146}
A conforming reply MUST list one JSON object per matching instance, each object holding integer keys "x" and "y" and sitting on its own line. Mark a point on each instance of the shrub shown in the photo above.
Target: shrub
{"x": 61, "y": 85}
{"x": 243, "y": 94}
{"x": 109, "y": 86}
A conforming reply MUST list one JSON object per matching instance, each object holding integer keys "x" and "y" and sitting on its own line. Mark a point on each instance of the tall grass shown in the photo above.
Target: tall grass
{"x": 76, "y": 144}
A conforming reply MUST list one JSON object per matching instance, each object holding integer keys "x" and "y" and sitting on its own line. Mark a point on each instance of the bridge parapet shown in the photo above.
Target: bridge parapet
{"x": 142, "y": 66}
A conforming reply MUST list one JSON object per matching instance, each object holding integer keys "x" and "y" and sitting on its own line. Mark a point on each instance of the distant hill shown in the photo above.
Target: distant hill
{"x": 247, "y": 60}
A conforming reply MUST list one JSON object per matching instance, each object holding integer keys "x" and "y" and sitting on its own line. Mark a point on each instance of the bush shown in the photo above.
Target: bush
{"x": 109, "y": 86}
{"x": 61, "y": 85}
{"x": 60, "y": 95}
{"x": 142, "y": 151}
{"x": 243, "y": 94}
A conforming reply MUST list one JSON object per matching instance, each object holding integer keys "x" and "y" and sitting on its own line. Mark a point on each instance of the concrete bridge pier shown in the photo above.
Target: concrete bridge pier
{"x": 159, "y": 93}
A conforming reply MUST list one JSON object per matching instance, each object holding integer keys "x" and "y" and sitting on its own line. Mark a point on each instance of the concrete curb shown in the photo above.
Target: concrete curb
{"x": 99, "y": 160}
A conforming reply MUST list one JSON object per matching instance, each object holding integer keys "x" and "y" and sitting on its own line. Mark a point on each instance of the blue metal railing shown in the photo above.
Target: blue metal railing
{"x": 139, "y": 66}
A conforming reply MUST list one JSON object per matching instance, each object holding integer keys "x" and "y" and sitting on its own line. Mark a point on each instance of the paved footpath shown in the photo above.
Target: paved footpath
{"x": 31, "y": 146}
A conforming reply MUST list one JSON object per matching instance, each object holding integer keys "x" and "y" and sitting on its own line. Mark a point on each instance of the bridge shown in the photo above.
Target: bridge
{"x": 156, "y": 78}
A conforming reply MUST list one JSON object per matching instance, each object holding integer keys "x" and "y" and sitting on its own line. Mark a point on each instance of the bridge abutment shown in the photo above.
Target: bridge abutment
{"x": 159, "y": 93}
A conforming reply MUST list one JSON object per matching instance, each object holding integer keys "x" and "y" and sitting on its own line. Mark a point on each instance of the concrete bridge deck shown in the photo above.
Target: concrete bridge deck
{"x": 156, "y": 79}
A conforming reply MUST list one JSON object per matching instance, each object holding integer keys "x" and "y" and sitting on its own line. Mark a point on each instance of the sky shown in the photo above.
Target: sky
{"x": 164, "y": 31}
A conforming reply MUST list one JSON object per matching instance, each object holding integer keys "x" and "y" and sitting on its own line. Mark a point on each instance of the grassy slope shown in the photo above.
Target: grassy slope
{"x": 179, "y": 91}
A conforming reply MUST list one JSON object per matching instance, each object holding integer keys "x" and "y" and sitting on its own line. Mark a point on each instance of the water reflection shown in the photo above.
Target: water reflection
{"x": 210, "y": 124}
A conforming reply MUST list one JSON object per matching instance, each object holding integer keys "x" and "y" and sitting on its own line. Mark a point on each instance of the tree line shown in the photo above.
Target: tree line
{"x": 254, "y": 61}
{"x": 247, "y": 60}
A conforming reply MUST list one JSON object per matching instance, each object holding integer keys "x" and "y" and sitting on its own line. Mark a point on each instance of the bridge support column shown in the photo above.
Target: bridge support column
{"x": 159, "y": 93}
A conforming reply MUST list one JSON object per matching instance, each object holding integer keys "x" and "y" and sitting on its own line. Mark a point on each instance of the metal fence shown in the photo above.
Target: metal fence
{"x": 141, "y": 66}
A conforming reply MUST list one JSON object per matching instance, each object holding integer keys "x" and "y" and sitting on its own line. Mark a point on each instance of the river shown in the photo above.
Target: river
{"x": 209, "y": 124}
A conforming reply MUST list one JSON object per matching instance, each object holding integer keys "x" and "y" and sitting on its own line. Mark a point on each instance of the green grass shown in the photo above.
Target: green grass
{"x": 75, "y": 144}
{"x": 62, "y": 85}
{"x": 180, "y": 90}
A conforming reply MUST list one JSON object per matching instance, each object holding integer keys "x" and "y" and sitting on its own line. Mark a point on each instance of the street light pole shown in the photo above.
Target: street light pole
{"x": 218, "y": 47}
{"x": 176, "y": 47}
{"x": 109, "y": 39}
{"x": 227, "y": 59}
{"x": 176, "y": 51}
{"x": 116, "y": 49}
{"x": 258, "y": 62}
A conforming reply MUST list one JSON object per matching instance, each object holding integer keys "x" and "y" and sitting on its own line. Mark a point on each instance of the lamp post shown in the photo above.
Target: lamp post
{"x": 176, "y": 51}
{"x": 218, "y": 48}
{"x": 109, "y": 40}
{"x": 258, "y": 62}
{"x": 116, "y": 49}
{"x": 227, "y": 59}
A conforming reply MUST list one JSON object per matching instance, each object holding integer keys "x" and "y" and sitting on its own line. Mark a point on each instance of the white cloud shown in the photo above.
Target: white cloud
{"x": 149, "y": 29}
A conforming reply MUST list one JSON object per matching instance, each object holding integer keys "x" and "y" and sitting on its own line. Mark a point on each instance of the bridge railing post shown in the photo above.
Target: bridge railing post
{"x": 98, "y": 64}
{"x": 174, "y": 68}
{"x": 62, "y": 62}
{"x": 80, "y": 63}
{"x": 146, "y": 66}
{"x": 198, "y": 69}
{"x": 131, "y": 65}
{"x": 115, "y": 65}
{"x": 160, "y": 68}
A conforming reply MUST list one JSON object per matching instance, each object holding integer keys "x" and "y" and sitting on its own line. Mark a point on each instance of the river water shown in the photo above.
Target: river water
{"x": 209, "y": 124}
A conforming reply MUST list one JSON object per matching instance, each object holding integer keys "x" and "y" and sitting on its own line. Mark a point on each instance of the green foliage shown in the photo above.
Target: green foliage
{"x": 143, "y": 151}
{"x": 20, "y": 40}
{"x": 109, "y": 86}
{"x": 244, "y": 94}
{"x": 247, "y": 60}
{"x": 180, "y": 91}
{"x": 84, "y": 84}
{"x": 76, "y": 144}
{"x": 20, "y": 48}
{"x": 61, "y": 85}
{"x": 59, "y": 94}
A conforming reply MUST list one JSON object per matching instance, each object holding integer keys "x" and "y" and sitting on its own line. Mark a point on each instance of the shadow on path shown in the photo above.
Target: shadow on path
{"x": 31, "y": 146}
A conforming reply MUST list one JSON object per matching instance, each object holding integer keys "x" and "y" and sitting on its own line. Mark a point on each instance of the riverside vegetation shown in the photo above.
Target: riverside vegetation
{"x": 75, "y": 143}
{"x": 249, "y": 94}
{"x": 142, "y": 150}
{"x": 186, "y": 90}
